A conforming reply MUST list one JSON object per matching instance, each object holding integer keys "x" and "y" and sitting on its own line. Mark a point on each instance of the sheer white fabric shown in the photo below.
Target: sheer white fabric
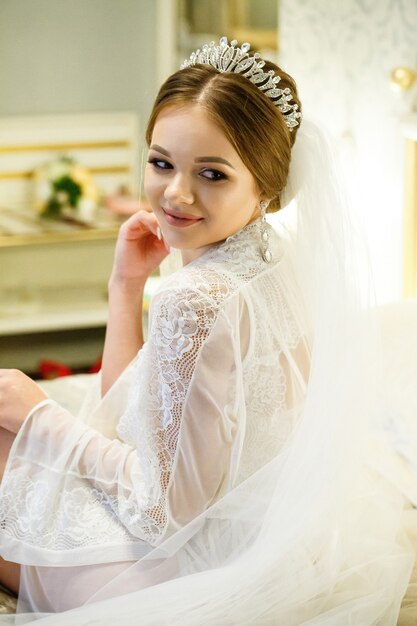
{"x": 229, "y": 485}
{"x": 72, "y": 495}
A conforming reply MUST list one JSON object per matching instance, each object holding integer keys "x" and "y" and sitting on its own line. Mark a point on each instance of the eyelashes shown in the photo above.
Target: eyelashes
{"x": 160, "y": 164}
{"x": 209, "y": 174}
{"x": 213, "y": 175}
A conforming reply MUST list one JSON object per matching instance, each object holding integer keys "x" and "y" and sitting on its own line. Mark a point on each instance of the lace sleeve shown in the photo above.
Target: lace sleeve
{"x": 183, "y": 394}
{"x": 69, "y": 489}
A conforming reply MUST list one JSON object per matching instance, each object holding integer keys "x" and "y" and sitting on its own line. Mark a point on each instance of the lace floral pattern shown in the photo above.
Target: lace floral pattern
{"x": 76, "y": 511}
{"x": 86, "y": 514}
{"x": 183, "y": 314}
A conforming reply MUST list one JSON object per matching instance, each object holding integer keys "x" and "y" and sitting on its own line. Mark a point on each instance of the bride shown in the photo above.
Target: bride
{"x": 217, "y": 473}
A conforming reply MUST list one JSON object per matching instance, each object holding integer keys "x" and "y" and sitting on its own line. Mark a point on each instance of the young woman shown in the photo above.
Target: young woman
{"x": 220, "y": 478}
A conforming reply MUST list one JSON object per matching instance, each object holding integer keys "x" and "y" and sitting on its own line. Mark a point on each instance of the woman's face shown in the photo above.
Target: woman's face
{"x": 199, "y": 188}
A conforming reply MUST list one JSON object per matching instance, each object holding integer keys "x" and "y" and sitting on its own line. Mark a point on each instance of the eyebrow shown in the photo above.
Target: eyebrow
{"x": 213, "y": 159}
{"x": 202, "y": 159}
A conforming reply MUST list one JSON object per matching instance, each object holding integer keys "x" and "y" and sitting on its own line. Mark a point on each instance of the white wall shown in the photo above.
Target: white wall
{"x": 70, "y": 56}
{"x": 341, "y": 55}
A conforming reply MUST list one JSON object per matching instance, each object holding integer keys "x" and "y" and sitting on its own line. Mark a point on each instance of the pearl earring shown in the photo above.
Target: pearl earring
{"x": 264, "y": 248}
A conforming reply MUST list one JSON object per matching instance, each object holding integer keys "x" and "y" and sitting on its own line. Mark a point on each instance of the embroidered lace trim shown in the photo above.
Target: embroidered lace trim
{"x": 41, "y": 507}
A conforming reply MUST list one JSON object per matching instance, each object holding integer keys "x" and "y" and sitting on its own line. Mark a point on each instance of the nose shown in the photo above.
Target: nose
{"x": 179, "y": 190}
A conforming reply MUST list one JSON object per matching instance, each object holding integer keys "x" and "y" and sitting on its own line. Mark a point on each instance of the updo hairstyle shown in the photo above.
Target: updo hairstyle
{"x": 248, "y": 118}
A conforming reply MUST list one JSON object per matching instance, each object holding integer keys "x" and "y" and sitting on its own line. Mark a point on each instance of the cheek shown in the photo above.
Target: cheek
{"x": 249, "y": 195}
{"x": 239, "y": 196}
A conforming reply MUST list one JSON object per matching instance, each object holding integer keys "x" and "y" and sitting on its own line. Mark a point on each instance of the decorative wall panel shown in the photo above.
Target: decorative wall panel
{"x": 341, "y": 55}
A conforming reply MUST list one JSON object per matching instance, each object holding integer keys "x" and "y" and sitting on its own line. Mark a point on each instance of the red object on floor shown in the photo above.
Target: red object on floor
{"x": 53, "y": 369}
{"x": 96, "y": 367}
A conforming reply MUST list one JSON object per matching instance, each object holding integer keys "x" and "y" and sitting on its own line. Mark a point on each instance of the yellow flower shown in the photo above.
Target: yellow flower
{"x": 79, "y": 174}
{"x": 62, "y": 182}
{"x": 90, "y": 191}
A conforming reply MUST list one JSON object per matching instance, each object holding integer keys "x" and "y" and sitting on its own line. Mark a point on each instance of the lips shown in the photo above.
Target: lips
{"x": 181, "y": 216}
{"x": 180, "y": 220}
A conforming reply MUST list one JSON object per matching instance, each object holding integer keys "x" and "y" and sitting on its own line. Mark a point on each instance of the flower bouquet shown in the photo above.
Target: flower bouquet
{"x": 65, "y": 189}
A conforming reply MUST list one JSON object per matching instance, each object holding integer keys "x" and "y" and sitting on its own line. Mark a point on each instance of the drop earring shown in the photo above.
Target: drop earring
{"x": 264, "y": 249}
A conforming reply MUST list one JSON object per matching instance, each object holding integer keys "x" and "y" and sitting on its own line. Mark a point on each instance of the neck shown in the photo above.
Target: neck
{"x": 191, "y": 255}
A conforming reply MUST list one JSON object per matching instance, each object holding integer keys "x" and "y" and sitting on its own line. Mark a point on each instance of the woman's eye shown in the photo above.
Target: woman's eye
{"x": 160, "y": 164}
{"x": 214, "y": 175}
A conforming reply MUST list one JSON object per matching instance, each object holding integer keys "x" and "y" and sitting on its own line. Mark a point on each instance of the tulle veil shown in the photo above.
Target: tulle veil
{"x": 314, "y": 536}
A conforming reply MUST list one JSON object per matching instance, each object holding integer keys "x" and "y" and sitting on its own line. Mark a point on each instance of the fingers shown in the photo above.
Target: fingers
{"x": 124, "y": 204}
{"x": 141, "y": 222}
{"x": 9, "y": 372}
{"x": 12, "y": 376}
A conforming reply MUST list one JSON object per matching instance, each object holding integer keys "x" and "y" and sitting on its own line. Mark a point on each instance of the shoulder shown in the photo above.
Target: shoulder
{"x": 183, "y": 312}
{"x": 201, "y": 289}
{"x": 194, "y": 288}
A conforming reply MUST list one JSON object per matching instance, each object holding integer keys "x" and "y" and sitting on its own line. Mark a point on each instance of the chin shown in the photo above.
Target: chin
{"x": 180, "y": 241}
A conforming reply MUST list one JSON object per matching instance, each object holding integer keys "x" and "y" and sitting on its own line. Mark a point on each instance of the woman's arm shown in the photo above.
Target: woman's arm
{"x": 120, "y": 485}
{"x": 139, "y": 251}
{"x": 124, "y": 334}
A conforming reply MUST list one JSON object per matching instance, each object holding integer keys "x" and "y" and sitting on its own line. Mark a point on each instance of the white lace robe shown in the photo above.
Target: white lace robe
{"x": 212, "y": 396}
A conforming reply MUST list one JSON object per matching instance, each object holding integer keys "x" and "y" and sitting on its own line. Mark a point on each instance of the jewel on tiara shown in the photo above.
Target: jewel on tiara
{"x": 230, "y": 58}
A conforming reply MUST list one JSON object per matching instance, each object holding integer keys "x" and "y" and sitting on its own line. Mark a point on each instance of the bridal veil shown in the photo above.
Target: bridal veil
{"x": 311, "y": 533}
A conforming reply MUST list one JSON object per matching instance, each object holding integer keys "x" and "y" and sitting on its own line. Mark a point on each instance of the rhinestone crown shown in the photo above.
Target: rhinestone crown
{"x": 227, "y": 57}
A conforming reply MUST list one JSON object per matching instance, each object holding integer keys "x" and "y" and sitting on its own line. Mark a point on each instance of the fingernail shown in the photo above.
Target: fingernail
{"x": 158, "y": 233}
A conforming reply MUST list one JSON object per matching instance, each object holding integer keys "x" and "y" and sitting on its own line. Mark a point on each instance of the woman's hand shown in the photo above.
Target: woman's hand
{"x": 18, "y": 395}
{"x": 124, "y": 204}
{"x": 139, "y": 249}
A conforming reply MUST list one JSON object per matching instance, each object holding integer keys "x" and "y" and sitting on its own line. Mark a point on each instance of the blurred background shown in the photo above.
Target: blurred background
{"x": 77, "y": 82}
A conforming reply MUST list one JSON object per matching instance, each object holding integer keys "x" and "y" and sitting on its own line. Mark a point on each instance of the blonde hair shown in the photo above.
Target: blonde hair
{"x": 250, "y": 121}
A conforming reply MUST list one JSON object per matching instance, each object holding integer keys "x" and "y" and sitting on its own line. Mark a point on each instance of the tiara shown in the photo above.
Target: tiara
{"x": 230, "y": 58}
